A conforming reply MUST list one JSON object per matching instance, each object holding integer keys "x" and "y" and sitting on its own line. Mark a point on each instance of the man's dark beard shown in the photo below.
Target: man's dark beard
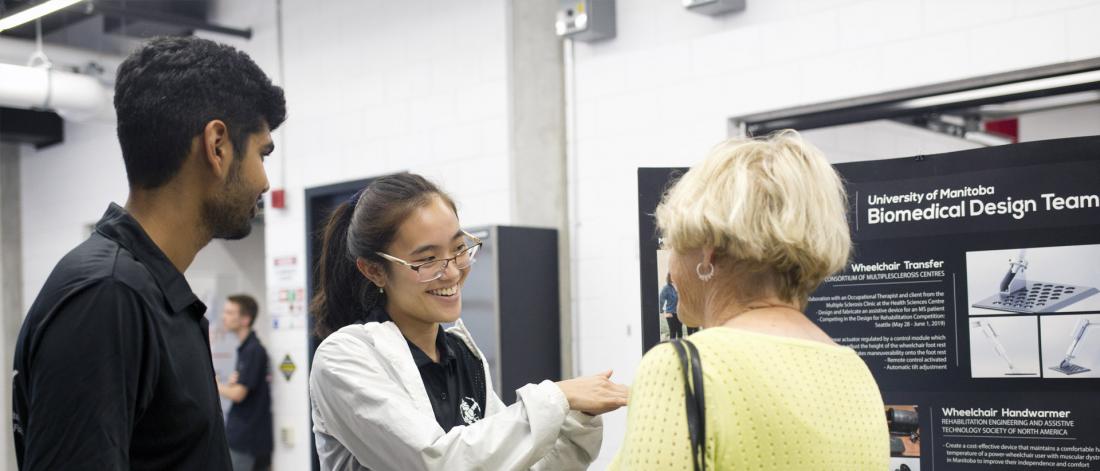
{"x": 226, "y": 217}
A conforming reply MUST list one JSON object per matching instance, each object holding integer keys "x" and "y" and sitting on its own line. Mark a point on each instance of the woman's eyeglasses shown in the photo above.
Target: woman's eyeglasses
{"x": 434, "y": 269}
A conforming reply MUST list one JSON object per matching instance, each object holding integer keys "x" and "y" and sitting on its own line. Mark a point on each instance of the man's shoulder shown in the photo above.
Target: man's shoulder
{"x": 97, "y": 263}
{"x": 91, "y": 260}
{"x": 83, "y": 290}
{"x": 255, "y": 347}
{"x": 99, "y": 258}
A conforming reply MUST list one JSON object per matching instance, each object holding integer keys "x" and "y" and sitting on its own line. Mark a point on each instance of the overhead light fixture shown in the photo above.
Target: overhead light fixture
{"x": 967, "y": 94}
{"x": 714, "y": 7}
{"x": 1033, "y": 105}
{"x": 34, "y": 13}
{"x": 1003, "y": 90}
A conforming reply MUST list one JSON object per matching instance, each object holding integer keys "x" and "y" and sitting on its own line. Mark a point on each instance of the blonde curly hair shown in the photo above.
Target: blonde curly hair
{"x": 773, "y": 205}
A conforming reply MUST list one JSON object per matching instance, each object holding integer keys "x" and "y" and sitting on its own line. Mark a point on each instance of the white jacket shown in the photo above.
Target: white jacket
{"x": 371, "y": 411}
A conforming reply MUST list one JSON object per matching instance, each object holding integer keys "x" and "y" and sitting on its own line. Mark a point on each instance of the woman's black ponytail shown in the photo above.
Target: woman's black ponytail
{"x": 358, "y": 228}
{"x": 343, "y": 293}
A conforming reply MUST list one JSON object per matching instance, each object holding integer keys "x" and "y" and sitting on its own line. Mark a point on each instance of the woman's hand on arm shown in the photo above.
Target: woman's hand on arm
{"x": 595, "y": 394}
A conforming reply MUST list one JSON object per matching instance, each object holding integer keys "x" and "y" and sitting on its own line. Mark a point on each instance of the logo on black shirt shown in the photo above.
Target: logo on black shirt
{"x": 470, "y": 410}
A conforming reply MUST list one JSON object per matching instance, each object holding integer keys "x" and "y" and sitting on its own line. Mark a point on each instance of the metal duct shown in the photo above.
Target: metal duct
{"x": 73, "y": 96}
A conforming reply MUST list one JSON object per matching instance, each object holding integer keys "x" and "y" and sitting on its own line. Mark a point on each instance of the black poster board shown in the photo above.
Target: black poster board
{"x": 971, "y": 294}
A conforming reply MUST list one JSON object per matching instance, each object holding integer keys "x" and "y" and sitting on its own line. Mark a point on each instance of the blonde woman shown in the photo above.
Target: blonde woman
{"x": 753, "y": 230}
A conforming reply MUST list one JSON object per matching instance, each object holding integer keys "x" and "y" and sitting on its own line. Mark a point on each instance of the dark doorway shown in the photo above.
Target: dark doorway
{"x": 320, "y": 201}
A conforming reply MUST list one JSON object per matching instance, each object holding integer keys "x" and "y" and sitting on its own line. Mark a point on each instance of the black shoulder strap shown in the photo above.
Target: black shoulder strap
{"x": 693, "y": 401}
{"x": 697, "y": 382}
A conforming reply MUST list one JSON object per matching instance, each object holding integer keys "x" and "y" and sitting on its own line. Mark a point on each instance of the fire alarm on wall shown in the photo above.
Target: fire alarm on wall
{"x": 278, "y": 198}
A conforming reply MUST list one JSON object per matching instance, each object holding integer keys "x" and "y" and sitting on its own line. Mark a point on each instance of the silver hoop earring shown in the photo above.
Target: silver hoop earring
{"x": 705, "y": 277}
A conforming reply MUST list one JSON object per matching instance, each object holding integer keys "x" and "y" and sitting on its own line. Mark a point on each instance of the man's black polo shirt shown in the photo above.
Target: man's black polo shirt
{"x": 248, "y": 426}
{"x": 112, "y": 365}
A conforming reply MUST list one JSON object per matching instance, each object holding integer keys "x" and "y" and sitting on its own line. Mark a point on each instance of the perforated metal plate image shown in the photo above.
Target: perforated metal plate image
{"x": 1070, "y": 369}
{"x": 1070, "y": 345}
{"x": 1039, "y": 296}
{"x": 1052, "y": 279}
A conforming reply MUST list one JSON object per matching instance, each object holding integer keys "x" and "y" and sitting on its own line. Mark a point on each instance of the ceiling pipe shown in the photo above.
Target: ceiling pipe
{"x": 75, "y": 97}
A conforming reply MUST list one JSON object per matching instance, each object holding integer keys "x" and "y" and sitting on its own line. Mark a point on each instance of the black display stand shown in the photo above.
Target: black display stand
{"x": 510, "y": 303}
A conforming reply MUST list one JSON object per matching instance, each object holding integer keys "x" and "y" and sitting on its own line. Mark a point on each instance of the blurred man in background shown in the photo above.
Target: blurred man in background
{"x": 248, "y": 426}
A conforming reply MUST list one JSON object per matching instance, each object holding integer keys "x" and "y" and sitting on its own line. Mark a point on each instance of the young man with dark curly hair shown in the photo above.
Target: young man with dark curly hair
{"x": 112, "y": 365}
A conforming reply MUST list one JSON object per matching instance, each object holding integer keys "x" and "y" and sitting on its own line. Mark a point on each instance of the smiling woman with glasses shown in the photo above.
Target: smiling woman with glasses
{"x": 390, "y": 387}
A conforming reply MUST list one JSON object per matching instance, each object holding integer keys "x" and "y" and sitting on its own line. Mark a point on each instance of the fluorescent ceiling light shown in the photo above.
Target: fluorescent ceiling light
{"x": 1032, "y": 105}
{"x": 34, "y": 13}
{"x": 1001, "y": 90}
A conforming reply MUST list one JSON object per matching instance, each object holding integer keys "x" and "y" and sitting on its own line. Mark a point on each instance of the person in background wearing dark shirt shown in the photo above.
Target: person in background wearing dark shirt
{"x": 112, "y": 364}
{"x": 248, "y": 427}
{"x": 668, "y": 302}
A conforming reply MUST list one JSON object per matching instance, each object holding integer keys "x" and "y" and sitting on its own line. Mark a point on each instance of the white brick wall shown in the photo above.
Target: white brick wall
{"x": 379, "y": 88}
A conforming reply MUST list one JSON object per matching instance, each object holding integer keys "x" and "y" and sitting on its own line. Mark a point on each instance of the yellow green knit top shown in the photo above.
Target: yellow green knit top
{"x": 772, "y": 403}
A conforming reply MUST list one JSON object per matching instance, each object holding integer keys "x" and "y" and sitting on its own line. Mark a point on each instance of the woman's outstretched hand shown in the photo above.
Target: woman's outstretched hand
{"x": 594, "y": 394}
